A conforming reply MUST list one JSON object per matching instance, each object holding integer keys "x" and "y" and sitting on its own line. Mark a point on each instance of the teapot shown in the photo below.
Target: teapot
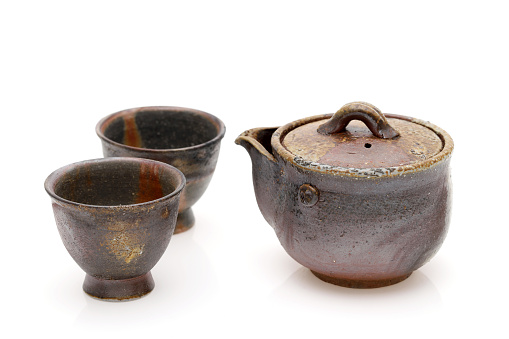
{"x": 359, "y": 197}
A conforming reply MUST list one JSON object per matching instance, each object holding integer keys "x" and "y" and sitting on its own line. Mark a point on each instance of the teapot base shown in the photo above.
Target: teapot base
{"x": 352, "y": 283}
{"x": 185, "y": 220}
{"x": 118, "y": 290}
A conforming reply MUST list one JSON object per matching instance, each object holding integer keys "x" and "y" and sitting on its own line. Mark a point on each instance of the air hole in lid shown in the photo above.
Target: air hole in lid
{"x": 367, "y": 145}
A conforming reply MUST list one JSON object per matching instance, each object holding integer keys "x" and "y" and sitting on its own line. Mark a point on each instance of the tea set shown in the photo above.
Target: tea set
{"x": 359, "y": 197}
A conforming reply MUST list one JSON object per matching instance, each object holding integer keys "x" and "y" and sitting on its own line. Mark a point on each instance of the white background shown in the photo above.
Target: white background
{"x": 64, "y": 65}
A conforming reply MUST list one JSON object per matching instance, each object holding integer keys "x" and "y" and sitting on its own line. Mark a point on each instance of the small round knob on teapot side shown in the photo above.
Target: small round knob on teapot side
{"x": 367, "y": 113}
{"x": 308, "y": 195}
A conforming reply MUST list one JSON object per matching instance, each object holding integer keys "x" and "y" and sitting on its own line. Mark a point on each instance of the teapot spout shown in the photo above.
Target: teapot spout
{"x": 266, "y": 170}
{"x": 257, "y": 142}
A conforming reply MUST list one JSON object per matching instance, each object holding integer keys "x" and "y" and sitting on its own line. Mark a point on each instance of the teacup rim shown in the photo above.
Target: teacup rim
{"x": 53, "y": 177}
{"x": 217, "y": 138}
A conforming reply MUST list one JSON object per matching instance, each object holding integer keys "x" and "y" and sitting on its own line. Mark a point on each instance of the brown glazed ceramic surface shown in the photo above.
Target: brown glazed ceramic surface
{"x": 182, "y": 137}
{"x": 360, "y": 227}
{"x": 116, "y": 217}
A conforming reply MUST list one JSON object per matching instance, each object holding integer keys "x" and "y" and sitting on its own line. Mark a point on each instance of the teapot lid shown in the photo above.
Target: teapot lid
{"x": 376, "y": 145}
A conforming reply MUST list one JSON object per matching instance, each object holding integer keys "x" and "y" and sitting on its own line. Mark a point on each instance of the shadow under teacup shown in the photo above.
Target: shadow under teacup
{"x": 182, "y": 137}
{"x": 116, "y": 217}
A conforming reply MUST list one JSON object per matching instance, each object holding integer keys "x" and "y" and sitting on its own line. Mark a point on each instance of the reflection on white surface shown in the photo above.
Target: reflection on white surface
{"x": 416, "y": 294}
{"x": 65, "y": 290}
{"x": 184, "y": 280}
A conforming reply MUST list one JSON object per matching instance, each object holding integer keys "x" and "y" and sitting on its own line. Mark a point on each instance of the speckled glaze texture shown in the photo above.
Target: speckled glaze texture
{"x": 360, "y": 228}
{"x": 182, "y": 137}
{"x": 116, "y": 217}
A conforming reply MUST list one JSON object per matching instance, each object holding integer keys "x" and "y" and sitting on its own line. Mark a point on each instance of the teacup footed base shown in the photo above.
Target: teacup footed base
{"x": 360, "y": 283}
{"x": 119, "y": 290}
{"x": 185, "y": 220}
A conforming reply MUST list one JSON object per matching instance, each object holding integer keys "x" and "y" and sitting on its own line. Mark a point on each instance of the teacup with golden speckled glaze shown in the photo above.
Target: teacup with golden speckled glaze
{"x": 116, "y": 217}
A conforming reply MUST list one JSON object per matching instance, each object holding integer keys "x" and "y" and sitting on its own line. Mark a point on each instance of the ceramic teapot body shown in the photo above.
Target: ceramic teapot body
{"x": 353, "y": 227}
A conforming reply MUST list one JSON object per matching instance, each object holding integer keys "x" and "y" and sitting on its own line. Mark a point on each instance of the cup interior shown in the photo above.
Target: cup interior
{"x": 115, "y": 181}
{"x": 155, "y": 128}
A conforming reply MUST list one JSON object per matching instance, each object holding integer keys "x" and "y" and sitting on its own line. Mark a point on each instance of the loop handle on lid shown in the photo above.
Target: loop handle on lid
{"x": 367, "y": 113}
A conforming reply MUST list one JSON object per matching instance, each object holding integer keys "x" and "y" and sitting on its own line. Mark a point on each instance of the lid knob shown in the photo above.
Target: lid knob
{"x": 367, "y": 113}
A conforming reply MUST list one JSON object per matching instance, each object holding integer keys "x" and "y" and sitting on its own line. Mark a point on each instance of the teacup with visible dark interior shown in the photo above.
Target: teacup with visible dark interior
{"x": 182, "y": 137}
{"x": 116, "y": 217}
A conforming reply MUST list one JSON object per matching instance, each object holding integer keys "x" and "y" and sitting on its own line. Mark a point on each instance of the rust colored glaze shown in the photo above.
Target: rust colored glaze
{"x": 116, "y": 217}
{"x": 182, "y": 137}
{"x": 149, "y": 185}
{"x": 360, "y": 227}
{"x": 131, "y": 134}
